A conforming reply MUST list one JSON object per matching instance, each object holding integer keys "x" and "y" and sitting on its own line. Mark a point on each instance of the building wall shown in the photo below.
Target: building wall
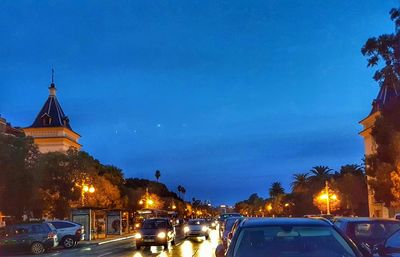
{"x": 54, "y": 139}
{"x": 375, "y": 209}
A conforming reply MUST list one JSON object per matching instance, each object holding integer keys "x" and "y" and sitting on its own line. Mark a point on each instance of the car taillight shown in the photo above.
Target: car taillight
{"x": 78, "y": 232}
{"x": 52, "y": 235}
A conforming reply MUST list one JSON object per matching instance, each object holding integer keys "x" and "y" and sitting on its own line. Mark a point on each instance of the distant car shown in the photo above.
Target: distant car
{"x": 69, "y": 233}
{"x": 212, "y": 223}
{"x": 196, "y": 228}
{"x": 229, "y": 222}
{"x": 155, "y": 232}
{"x": 222, "y": 219}
{"x": 294, "y": 237}
{"x": 233, "y": 230}
{"x": 35, "y": 237}
{"x": 367, "y": 230}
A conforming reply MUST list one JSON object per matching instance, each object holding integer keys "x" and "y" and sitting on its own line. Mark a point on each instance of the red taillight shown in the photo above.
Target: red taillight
{"x": 78, "y": 232}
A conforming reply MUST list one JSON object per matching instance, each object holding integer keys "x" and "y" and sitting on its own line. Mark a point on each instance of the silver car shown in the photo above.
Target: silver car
{"x": 196, "y": 228}
{"x": 69, "y": 233}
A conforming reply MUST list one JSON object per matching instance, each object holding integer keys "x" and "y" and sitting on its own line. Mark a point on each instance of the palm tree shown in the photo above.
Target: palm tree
{"x": 300, "y": 182}
{"x": 276, "y": 189}
{"x": 183, "y": 190}
{"x": 320, "y": 173}
{"x": 354, "y": 169}
{"x": 179, "y": 191}
{"x": 158, "y": 175}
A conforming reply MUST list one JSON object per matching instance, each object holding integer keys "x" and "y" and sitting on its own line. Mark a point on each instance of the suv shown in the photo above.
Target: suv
{"x": 294, "y": 237}
{"x": 36, "y": 237}
{"x": 155, "y": 231}
{"x": 69, "y": 233}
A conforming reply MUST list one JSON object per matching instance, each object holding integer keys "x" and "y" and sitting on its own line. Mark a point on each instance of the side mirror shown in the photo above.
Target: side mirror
{"x": 220, "y": 251}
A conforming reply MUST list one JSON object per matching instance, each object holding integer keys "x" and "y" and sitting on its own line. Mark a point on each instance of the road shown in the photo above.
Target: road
{"x": 194, "y": 247}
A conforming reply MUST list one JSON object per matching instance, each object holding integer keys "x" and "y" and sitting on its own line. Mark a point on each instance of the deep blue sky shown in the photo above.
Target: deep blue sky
{"x": 224, "y": 97}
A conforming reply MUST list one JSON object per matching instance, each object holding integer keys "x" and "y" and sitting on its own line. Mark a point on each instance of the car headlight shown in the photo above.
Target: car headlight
{"x": 204, "y": 229}
{"x": 161, "y": 235}
{"x": 186, "y": 229}
{"x": 138, "y": 235}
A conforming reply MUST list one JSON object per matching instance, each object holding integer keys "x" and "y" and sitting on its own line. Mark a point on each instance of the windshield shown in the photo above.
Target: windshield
{"x": 153, "y": 224}
{"x": 297, "y": 241}
{"x": 196, "y": 222}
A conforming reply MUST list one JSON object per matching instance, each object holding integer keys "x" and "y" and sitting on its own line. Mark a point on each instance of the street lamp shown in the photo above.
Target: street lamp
{"x": 327, "y": 197}
{"x": 86, "y": 189}
{"x": 147, "y": 201}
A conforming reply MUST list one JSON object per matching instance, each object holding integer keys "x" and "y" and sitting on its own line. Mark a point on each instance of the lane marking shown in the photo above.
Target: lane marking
{"x": 104, "y": 254}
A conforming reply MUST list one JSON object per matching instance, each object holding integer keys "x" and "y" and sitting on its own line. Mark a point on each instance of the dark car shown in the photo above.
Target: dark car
{"x": 229, "y": 222}
{"x": 155, "y": 232}
{"x": 371, "y": 231}
{"x": 233, "y": 230}
{"x": 390, "y": 247}
{"x": 222, "y": 219}
{"x": 35, "y": 237}
{"x": 294, "y": 237}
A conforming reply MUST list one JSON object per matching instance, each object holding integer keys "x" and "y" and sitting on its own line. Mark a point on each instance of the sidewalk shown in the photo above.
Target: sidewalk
{"x": 108, "y": 239}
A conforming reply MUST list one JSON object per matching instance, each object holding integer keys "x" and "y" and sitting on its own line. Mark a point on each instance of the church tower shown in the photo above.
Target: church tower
{"x": 386, "y": 94}
{"x": 51, "y": 129}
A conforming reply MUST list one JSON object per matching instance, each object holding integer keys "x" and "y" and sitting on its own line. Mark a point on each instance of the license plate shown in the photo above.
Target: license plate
{"x": 148, "y": 240}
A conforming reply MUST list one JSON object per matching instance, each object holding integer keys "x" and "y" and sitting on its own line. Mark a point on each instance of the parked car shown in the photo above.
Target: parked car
{"x": 68, "y": 232}
{"x": 390, "y": 247}
{"x": 155, "y": 232}
{"x": 229, "y": 222}
{"x": 222, "y": 219}
{"x": 294, "y": 237}
{"x": 197, "y": 228}
{"x": 35, "y": 237}
{"x": 371, "y": 231}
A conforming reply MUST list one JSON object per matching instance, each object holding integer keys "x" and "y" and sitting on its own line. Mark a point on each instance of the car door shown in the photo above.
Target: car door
{"x": 391, "y": 247}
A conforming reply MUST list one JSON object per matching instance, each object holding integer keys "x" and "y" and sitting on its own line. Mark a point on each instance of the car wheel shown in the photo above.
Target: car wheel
{"x": 138, "y": 246}
{"x": 207, "y": 237}
{"x": 173, "y": 241}
{"x": 166, "y": 246}
{"x": 37, "y": 248}
{"x": 68, "y": 242}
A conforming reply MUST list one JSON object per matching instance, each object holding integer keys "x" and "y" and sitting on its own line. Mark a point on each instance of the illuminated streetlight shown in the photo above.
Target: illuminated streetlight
{"x": 85, "y": 189}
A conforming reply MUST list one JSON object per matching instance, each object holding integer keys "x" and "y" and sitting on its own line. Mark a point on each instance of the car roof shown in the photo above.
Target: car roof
{"x": 259, "y": 222}
{"x": 363, "y": 219}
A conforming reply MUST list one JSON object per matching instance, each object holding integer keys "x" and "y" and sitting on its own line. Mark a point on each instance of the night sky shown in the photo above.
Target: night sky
{"x": 223, "y": 97}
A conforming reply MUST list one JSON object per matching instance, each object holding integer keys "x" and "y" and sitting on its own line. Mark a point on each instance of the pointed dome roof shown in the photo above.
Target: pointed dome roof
{"x": 51, "y": 114}
{"x": 386, "y": 94}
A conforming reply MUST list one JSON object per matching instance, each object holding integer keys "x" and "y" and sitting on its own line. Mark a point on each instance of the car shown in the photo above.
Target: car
{"x": 294, "y": 237}
{"x": 155, "y": 232}
{"x": 212, "y": 223}
{"x": 68, "y": 232}
{"x": 390, "y": 247}
{"x": 222, "y": 219}
{"x": 233, "y": 230}
{"x": 35, "y": 237}
{"x": 196, "y": 228}
{"x": 229, "y": 222}
{"x": 371, "y": 231}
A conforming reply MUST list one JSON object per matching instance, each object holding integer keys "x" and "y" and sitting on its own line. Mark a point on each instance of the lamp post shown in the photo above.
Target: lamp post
{"x": 86, "y": 189}
{"x": 327, "y": 197}
{"x": 147, "y": 201}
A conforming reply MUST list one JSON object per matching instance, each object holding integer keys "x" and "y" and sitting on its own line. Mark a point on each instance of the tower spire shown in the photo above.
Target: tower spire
{"x": 52, "y": 88}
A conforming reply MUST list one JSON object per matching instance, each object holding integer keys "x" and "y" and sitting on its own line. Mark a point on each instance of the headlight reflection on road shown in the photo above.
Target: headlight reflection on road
{"x": 137, "y": 255}
{"x": 187, "y": 249}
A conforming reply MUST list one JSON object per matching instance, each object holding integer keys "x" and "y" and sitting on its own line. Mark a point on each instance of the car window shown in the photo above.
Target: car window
{"x": 393, "y": 241}
{"x": 291, "y": 241}
{"x": 38, "y": 229}
{"x": 152, "y": 224}
{"x": 196, "y": 222}
{"x": 375, "y": 229}
{"x": 60, "y": 224}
